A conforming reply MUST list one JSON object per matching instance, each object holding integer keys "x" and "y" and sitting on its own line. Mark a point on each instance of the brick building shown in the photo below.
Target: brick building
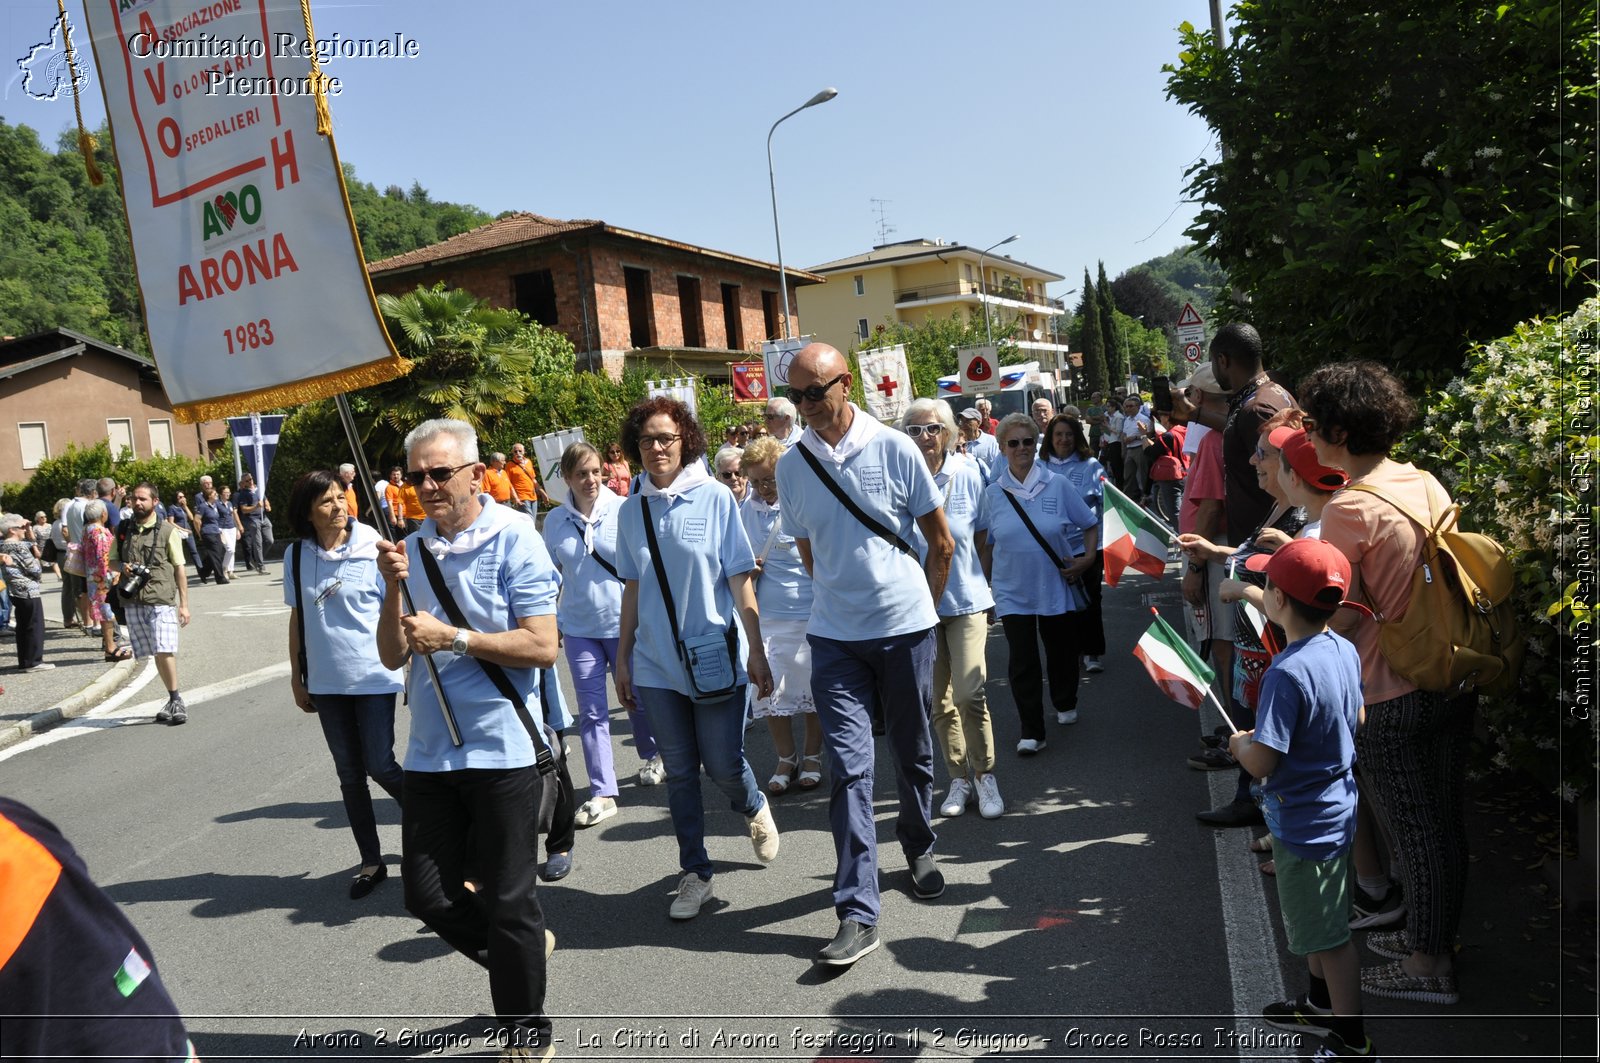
{"x": 618, "y": 295}
{"x": 61, "y": 387}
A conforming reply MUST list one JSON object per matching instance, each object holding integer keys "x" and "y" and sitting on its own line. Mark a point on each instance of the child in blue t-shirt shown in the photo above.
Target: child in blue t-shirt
{"x": 1303, "y": 749}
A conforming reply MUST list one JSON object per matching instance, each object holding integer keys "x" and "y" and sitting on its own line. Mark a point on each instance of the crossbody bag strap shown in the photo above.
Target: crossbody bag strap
{"x": 1055, "y": 558}
{"x": 300, "y": 613}
{"x": 497, "y": 675}
{"x": 850, "y": 504}
{"x": 661, "y": 569}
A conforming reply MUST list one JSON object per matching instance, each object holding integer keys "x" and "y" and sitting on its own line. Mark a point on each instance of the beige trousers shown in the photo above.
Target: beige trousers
{"x": 960, "y": 706}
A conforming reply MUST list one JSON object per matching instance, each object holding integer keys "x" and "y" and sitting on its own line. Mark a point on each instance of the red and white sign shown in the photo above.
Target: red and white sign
{"x": 1191, "y": 352}
{"x": 980, "y": 370}
{"x": 885, "y": 381}
{"x": 749, "y": 382}
{"x": 1191, "y": 328}
{"x": 255, "y": 293}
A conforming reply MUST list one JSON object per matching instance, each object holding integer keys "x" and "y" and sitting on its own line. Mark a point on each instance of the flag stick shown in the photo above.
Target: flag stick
{"x": 1232, "y": 727}
{"x": 369, "y": 498}
{"x": 1109, "y": 486}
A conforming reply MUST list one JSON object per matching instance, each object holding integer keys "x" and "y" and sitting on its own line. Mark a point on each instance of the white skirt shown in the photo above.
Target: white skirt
{"x": 789, "y": 656}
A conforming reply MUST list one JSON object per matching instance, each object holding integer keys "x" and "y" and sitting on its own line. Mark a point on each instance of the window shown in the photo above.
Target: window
{"x": 769, "y": 314}
{"x": 694, "y": 333}
{"x": 35, "y": 443}
{"x": 161, "y": 438}
{"x": 731, "y": 323}
{"x": 536, "y": 295}
{"x": 641, "y": 319}
{"x": 120, "y": 431}
{"x": 861, "y": 285}
{"x": 969, "y": 273}
{"x": 862, "y": 328}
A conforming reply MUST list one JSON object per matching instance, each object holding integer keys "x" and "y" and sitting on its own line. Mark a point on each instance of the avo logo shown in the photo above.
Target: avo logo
{"x": 220, "y": 214}
{"x": 979, "y": 368}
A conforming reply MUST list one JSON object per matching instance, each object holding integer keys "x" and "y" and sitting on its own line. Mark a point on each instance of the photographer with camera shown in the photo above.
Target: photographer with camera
{"x": 155, "y": 593}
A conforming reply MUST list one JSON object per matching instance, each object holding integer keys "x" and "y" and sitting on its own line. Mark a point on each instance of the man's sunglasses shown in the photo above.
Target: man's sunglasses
{"x": 814, "y": 393}
{"x": 439, "y": 476}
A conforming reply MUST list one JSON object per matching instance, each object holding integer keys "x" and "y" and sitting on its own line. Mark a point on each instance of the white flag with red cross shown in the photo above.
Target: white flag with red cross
{"x": 886, "y": 381}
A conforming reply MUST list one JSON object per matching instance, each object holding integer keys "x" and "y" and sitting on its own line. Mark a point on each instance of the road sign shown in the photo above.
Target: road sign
{"x": 980, "y": 370}
{"x": 1191, "y": 327}
{"x": 1191, "y": 352}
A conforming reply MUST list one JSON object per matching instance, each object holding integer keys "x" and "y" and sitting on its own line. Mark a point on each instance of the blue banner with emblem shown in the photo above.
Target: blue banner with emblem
{"x": 255, "y": 440}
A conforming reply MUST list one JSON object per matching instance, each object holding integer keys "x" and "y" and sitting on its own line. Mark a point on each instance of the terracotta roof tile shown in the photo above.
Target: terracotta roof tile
{"x": 520, "y": 228}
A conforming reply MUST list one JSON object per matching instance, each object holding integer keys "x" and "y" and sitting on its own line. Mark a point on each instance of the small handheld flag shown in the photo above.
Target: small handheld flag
{"x": 1131, "y": 538}
{"x": 1177, "y": 669}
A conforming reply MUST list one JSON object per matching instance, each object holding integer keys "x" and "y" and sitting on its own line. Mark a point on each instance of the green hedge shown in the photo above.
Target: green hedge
{"x": 58, "y": 477}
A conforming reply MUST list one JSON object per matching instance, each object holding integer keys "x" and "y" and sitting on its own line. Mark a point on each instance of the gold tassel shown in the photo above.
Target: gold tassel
{"x": 319, "y": 80}
{"x": 295, "y": 393}
{"x": 86, "y": 141}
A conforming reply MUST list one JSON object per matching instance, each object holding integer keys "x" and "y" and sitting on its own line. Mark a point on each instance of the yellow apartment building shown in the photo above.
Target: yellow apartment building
{"x": 914, "y": 280}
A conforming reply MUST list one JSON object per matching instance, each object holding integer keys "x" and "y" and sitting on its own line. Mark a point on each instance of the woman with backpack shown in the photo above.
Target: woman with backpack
{"x": 1413, "y": 746}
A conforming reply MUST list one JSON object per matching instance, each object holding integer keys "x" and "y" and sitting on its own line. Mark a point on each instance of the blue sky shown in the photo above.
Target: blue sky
{"x": 973, "y": 121}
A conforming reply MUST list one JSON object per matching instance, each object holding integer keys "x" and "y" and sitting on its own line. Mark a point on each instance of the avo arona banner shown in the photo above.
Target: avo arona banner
{"x": 255, "y": 293}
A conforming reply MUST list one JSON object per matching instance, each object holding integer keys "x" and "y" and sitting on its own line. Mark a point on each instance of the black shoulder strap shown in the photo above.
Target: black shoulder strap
{"x": 1055, "y": 558}
{"x": 603, "y": 563}
{"x": 850, "y": 504}
{"x": 300, "y": 611}
{"x": 496, "y": 674}
{"x": 661, "y": 569}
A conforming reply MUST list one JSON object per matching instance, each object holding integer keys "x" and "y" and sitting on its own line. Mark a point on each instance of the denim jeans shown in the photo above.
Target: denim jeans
{"x": 359, "y": 729}
{"x": 591, "y": 660}
{"x": 689, "y": 735}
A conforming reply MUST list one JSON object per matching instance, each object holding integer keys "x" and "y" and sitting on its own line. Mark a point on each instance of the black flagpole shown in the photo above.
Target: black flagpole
{"x": 369, "y": 498}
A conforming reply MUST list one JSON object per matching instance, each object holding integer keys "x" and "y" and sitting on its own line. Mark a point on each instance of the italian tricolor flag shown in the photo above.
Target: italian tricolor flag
{"x": 1131, "y": 538}
{"x": 1176, "y": 669}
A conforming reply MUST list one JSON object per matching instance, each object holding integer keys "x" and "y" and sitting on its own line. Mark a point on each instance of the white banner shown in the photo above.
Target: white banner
{"x": 547, "y": 451}
{"x": 777, "y": 354}
{"x": 885, "y": 381}
{"x": 680, "y": 388}
{"x": 255, "y": 293}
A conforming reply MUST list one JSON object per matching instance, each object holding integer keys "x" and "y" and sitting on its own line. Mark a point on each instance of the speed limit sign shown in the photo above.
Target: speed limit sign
{"x": 1191, "y": 352}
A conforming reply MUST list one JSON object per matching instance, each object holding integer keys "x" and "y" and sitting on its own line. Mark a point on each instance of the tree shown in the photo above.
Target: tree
{"x": 1115, "y": 337}
{"x": 1091, "y": 339}
{"x": 1399, "y": 177}
{"x": 931, "y": 346}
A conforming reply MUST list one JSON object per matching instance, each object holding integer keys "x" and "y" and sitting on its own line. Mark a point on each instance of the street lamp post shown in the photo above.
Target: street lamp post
{"x": 983, "y": 284}
{"x": 783, "y": 278}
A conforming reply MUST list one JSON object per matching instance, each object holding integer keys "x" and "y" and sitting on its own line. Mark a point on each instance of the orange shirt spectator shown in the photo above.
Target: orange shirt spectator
{"x": 524, "y": 477}
{"x": 350, "y": 501}
{"x": 411, "y": 505}
{"x": 392, "y": 494}
{"x": 498, "y": 483}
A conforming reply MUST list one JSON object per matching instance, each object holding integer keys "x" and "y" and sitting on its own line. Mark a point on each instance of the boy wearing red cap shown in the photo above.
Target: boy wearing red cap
{"x": 1302, "y": 750}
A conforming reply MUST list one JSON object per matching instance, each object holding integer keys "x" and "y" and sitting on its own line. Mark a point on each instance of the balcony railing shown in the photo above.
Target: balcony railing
{"x": 946, "y": 289}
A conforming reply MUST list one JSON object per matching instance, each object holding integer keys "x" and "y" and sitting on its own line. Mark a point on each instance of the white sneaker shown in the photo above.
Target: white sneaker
{"x": 652, "y": 772}
{"x": 1070, "y": 716}
{"x": 1092, "y": 665}
{"x": 764, "y": 834}
{"x": 595, "y": 810}
{"x": 1029, "y": 746}
{"x": 693, "y": 892}
{"x": 955, "y": 802}
{"x": 990, "y": 804}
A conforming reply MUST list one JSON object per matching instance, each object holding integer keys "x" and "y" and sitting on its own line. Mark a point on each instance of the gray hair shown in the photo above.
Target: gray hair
{"x": 347, "y": 467}
{"x": 106, "y": 485}
{"x": 94, "y": 512}
{"x": 10, "y": 522}
{"x": 500, "y": 456}
{"x": 462, "y": 432}
{"x": 1013, "y": 421}
{"x": 86, "y": 488}
{"x": 941, "y": 411}
{"x": 983, "y": 406}
{"x": 781, "y": 407}
{"x": 726, "y": 453}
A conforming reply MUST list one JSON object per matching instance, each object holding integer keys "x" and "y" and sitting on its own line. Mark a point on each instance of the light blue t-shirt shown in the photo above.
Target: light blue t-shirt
{"x": 702, "y": 545}
{"x": 986, "y": 452}
{"x": 1086, "y": 475}
{"x": 591, "y": 597}
{"x": 960, "y": 483}
{"x": 783, "y": 590}
{"x": 505, "y": 579}
{"x": 865, "y": 588}
{"x": 1310, "y": 704}
{"x": 343, "y": 595}
{"x": 1024, "y": 581}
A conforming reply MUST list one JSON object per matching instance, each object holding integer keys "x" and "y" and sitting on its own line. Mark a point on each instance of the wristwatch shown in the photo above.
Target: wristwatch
{"x": 458, "y": 645}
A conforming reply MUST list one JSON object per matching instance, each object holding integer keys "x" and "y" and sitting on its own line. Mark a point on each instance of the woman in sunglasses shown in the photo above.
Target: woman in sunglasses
{"x": 731, "y": 473}
{"x": 961, "y": 709}
{"x": 334, "y": 592}
{"x": 1025, "y": 504}
{"x": 695, "y": 542}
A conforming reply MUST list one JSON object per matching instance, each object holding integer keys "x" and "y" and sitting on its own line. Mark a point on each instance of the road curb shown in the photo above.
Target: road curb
{"x": 70, "y": 708}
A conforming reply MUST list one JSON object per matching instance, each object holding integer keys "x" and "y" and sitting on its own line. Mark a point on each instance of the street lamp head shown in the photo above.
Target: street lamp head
{"x": 822, "y": 97}
{"x": 1007, "y": 240}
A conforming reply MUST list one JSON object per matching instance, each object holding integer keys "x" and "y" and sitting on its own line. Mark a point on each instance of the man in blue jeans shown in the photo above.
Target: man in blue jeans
{"x": 871, "y": 627}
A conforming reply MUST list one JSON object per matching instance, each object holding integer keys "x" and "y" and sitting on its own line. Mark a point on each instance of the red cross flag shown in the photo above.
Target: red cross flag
{"x": 254, "y": 289}
{"x": 886, "y": 381}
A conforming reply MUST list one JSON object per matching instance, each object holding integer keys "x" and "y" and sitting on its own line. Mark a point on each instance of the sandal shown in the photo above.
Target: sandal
{"x": 781, "y": 778}
{"x": 1262, "y": 844}
{"x": 810, "y": 778}
{"x": 121, "y": 653}
{"x": 1269, "y": 868}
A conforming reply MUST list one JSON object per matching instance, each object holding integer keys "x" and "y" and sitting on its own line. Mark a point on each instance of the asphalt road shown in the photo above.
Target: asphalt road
{"x": 1096, "y": 919}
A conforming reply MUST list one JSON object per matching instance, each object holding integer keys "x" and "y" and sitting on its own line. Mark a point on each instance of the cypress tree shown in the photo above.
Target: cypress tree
{"x": 1090, "y": 338}
{"x": 1116, "y": 351}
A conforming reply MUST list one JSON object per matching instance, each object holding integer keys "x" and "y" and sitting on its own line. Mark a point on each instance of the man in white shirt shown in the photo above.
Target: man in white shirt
{"x": 1133, "y": 431}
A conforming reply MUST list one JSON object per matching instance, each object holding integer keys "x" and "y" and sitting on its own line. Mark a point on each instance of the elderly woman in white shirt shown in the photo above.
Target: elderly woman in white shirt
{"x": 961, "y": 708}
{"x": 783, "y": 596}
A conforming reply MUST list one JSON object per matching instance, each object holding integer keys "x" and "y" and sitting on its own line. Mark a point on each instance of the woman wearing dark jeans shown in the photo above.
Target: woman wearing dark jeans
{"x": 332, "y": 587}
{"x": 1066, "y": 452}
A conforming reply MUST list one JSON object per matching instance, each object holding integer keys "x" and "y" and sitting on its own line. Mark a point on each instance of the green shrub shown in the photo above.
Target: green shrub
{"x": 1515, "y": 436}
{"x": 58, "y": 477}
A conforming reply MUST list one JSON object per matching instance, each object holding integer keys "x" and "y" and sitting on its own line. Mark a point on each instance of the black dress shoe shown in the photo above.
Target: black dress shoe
{"x": 364, "y": 884}
{"x": 927, "y": 881}
{"x": 852, "y": 942}
{"x": 557, "y": 866}
{"x": 1233, "y": 814}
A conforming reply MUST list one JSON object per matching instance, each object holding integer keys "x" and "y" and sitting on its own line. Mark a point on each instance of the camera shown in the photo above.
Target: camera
{"x": 134, "y": 577}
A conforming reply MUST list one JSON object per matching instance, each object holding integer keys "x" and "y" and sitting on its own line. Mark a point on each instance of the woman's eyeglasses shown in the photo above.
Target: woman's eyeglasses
{"x": 765, "y": 481}
{"x": 1013, "y": 444}
{"x": 658, "y": 442}
{"x": 917, "y": 431}
{"x": 814, "y": 393}
{"x": 439, "y": 476}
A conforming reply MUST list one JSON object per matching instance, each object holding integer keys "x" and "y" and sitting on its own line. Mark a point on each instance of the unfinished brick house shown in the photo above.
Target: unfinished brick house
{"x": 619, "y": 295}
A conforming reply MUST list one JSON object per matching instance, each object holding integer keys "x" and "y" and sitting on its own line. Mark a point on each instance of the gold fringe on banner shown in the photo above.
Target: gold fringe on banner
{"x": 86, "y": 142}
{"x": 297, "y": 393}
{"x": 319, "y": 80}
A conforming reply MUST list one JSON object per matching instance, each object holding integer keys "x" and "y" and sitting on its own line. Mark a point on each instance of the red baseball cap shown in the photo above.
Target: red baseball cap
{"x": 1310, "y": 571}
{"x": 1302, "y": 458}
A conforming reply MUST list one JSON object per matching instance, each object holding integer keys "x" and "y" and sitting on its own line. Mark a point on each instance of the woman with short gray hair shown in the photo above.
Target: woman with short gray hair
{"x": 19, "y": 561}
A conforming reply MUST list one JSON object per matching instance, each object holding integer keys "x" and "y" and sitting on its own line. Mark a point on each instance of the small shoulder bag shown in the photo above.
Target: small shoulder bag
{"x": 707, "y": 659}
{"x": 300, "y": 664}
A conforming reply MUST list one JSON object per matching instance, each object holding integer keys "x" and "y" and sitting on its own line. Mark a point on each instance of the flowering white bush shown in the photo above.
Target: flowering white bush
{"x": 1514, "y": 440}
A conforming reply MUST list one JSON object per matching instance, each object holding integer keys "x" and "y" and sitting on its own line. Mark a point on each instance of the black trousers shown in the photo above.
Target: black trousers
{"x": 1091, "y": 625}
{"x": 502, "y": 926}
{"x": 29, "y": 614}
{"x": 212, "y": 553}
{"x": 564, "y": 817}
{"x": 1023, "y": 634}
